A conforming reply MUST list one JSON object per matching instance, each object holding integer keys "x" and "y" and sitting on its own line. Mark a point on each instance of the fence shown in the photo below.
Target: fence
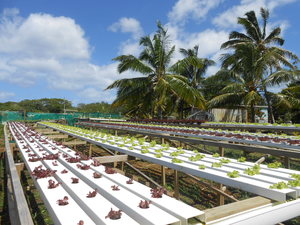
{"x": 71, "y": 118}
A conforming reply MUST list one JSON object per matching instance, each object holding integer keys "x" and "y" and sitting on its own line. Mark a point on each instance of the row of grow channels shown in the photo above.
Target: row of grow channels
{"x": 270, "y": 140}
{"x": 126, "y": 197}
{"x": 258, "y": 179}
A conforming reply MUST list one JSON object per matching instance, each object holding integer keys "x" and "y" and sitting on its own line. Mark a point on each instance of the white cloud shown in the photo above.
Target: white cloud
{"x": 5, "y": 95}
{"x": 209, "y": 41}
{"x": 128, "y": 25}
{"x": 91, "y": 94}
{"x": 95, "y": 95}
{"x": 42, "y": 35}
{"x": 130, "y": 48}
{"x": 191, "y": 9}
{"x": 49, "y": 48}
{"x": 228, "y": 19}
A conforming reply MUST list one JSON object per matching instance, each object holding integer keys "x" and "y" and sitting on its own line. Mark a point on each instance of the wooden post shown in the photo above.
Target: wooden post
{"x": 116, "y": 133}
{"x": 162, "y": 140}
{"x": 221, "y": 197}
{"x": 163, "y": 176}
{"x": 115, "y": 163}
{"x": 287, "y": 162}
{"x": 90, "y": 150}
{"x": 20, "y": 167}
{"x": 75, "y": 146}
{"x": 122, "y": 166}
{"x": 12, "y": 146}
{"x": 221, "y": 151}
{"x": 176, "y": 184}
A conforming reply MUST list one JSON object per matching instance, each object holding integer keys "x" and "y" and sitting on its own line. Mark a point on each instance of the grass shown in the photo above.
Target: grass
{"x": 4, "y": 217}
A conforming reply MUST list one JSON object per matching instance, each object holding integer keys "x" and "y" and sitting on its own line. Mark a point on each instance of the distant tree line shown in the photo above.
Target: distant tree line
{"x": 57, "y": 105}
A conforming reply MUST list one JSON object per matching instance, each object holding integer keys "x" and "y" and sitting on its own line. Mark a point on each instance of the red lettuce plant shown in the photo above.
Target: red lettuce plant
{"x": 115, "y": 188}
{"x": 51, "y": 156}
{"x": 80, "y": 222}
{"x": 83, "y": 167}
{"x": 75, "y": 180}
{"x": 109, "y": 170}
{"x": 54, "y": 163}
{"x": 144, "y": 204}
{"x": 73, "y": 159}
{"x": 157, "y": 192}
{"x": 92, "y": 194}
{"x": 34, "y": 159}
{"x": 96, "y": 163}
{"x": 64, "y": 171}
{"x": 39, "y": 172}
{"x": 97, "y": 175}
{"x": 52, "y": 184}
{"x": 114, "y": 215}
{"x": 63, "y": 201}
{"x": 130, "y": 181}
{"x": 84, "y": 157}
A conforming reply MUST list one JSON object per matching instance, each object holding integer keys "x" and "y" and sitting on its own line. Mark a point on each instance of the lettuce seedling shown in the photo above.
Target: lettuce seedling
{"x": 233, "y": 174}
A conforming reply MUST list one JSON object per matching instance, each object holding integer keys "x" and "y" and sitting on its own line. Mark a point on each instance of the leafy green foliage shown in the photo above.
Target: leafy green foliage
{"x": 154, "y": 93}
{"x": 241, "y": 159}
{"x": 152, "y": 144}
{"x": 280, "y": 185}
{"x": 294, "y": 183}
{"x": 197, "y": 157}
{"x": 202, "y": 167}
{"x": 233, "y": 174}
{"x": 144, "y": 151}
{"x": 253, "y": 171}
{"x": 296, "y": 176}
{"x": 217, "y": 164}
{"x": 175, "y": 160}
{"x": 216, "y": 155}
{"x": 159, "y": 155}
{"x": 274, "y": 165}
{"x": 177, "y": 153}
{"x": 224, "y": 161}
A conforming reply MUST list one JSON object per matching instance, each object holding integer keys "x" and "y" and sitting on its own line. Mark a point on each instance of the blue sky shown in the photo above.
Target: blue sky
{"x": 64, "y": 49}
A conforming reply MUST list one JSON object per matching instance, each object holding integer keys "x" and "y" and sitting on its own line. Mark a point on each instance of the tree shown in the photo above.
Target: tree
{"x": 101, "y": 107}
{"x": 193, "y": 68}
{"x": 289, "y": 98}
{"x": 279, "y": 63}
{"x": 153, "y": 94}
{"x": 244, "y": 85}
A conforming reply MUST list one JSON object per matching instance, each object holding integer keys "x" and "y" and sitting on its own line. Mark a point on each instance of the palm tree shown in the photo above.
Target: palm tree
{"x": 193, "y": 68}
{"x": 243, "y": 87}
{"x": 290, "y": 98}
{"x": 268, "y": 49}
{"x": 152, "y": 94}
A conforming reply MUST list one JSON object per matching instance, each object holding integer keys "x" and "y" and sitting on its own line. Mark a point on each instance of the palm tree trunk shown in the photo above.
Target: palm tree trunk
{"x": 180, "y": 109}
{"x": 252, "y": 111}
{"x": 159, "y": 112}
{"x": 270, "y": 108}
